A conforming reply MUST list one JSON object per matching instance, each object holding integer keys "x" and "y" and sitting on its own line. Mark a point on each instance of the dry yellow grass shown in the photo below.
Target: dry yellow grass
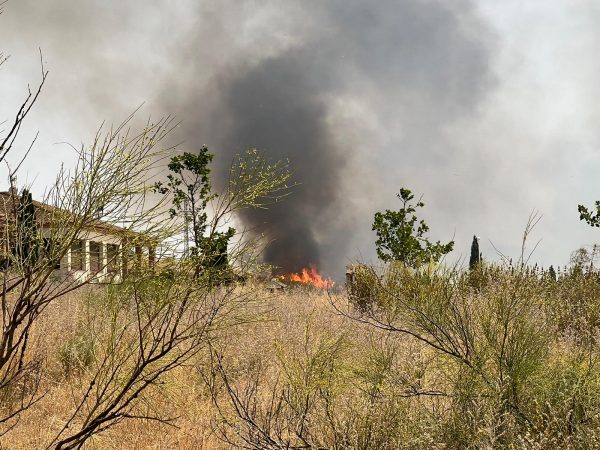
{"x": 301, "y": 367}
{"x": 182, "y": 394}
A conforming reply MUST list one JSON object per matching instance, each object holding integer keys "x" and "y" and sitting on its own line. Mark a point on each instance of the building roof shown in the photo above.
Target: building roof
{"x": 48, "y": 212}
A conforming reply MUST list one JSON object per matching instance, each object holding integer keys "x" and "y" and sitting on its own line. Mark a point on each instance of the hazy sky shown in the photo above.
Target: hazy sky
{"x": 487, "y": 108}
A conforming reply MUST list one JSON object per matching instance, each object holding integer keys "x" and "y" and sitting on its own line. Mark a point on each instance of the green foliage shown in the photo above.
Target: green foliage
{"x": 552, "y": 273}
{"x": 518, "y": 353}
{"x": 26, "y": 243}
{"x": 401, "y": 236}
{"x": 189, "y": 180}
{"x": 592, "y": 219}
{"x": 475, "y": 254}
{"x": 191, "y": 190}
{"x": 77, "y": 353}
{"x": 572, "y": 301}
{"x": 256, "y": 182}
{"x": 331, "y": 389}
{"x": 215, "y": 249}
{"x": 360, "y": 287}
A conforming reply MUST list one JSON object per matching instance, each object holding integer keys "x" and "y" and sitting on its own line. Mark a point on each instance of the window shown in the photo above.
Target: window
{"x": 78, "y": 255}
{"x": 49, "y": 251}
{"x": 96, "y": 257}
{"x": 112, "y": 255}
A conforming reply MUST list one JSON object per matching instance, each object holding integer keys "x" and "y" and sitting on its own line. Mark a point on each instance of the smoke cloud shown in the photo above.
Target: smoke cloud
{"x": 288, "y": 101}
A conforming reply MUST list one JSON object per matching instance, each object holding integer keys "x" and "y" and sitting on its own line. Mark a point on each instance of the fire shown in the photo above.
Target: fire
{"x": 310, "y": 275}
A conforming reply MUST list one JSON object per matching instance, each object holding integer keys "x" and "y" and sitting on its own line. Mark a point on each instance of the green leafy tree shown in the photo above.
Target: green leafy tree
{"x": 189, "y": 184}
{"x": 592, "y": 219}
{"x": 401, "y": 236}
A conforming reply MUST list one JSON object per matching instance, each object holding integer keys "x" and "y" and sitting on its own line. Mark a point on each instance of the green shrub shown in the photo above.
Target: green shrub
{"x": 78, "y": 353}
{"x": 496, "y": 357}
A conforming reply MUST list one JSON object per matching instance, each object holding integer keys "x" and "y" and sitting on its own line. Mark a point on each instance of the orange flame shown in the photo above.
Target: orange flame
{"x": 311, "y": 276}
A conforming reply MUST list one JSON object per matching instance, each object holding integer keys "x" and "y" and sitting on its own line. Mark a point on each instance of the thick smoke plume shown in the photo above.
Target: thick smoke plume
{"x": 279, "y": 109}
{"x": 286, "y": 102}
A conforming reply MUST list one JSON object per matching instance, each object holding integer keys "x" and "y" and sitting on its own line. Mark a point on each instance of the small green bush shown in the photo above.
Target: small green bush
{"x": 78, "y": 353}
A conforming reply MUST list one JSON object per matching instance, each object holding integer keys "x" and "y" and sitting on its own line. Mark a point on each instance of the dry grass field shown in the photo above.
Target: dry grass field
{"x": 493, "y": 359}
{"x": 66, "y": 344}
{"x": 65, "y": 341}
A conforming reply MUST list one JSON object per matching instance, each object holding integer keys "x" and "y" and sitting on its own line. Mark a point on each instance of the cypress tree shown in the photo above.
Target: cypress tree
{"x": 552, "y": 273}
{"x": 26, "y": 249}
{"x": 475, "y": 255}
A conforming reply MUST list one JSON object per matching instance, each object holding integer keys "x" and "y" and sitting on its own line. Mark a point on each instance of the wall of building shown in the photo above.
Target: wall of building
{"x": 104, "y": 258}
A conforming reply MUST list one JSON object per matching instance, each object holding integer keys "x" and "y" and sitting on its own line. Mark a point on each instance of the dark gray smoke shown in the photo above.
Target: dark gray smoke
{"x": 284, "y": 102}
{"x": 278, "y": 108}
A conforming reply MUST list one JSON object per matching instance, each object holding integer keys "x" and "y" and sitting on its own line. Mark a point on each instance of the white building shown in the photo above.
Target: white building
{"x": 102, "y": 252}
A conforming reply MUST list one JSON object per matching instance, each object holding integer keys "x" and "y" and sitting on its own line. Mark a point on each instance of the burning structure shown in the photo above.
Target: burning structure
{"x": 310, "y": 276}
